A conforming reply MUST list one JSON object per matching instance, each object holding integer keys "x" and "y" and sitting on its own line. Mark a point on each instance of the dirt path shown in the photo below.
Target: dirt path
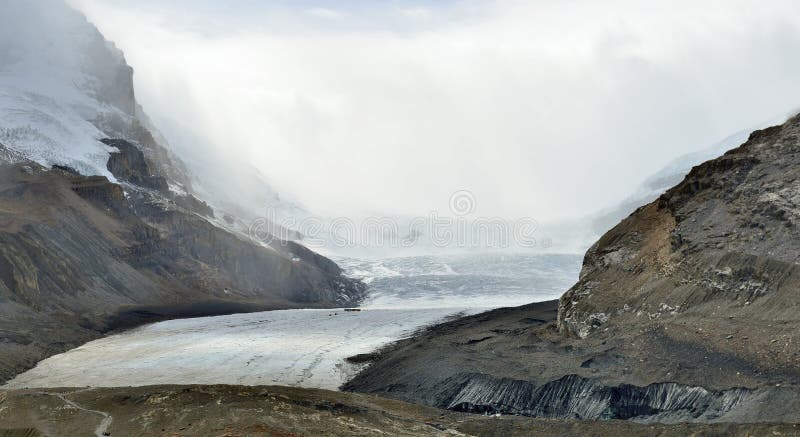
{"x": 102, "y": 428}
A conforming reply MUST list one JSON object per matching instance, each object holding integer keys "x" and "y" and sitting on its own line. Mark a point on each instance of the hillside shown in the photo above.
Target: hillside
{"x": 685, "y": 311}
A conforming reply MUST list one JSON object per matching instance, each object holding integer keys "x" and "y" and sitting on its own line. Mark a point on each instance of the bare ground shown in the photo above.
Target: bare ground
{"x": 220, "y": 410}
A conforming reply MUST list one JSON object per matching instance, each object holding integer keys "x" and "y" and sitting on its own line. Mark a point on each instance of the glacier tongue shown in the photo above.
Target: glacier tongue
{"x": 302, "y": 348}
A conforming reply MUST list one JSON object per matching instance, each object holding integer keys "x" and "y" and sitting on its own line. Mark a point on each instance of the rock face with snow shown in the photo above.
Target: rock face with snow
{"x": 99, "y": 226}
{"x": 63, "y": 87}
{"x": 685, "y": 311}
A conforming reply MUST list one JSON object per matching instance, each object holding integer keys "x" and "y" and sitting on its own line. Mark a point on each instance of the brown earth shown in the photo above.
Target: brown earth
{"x": 283, "y": 411}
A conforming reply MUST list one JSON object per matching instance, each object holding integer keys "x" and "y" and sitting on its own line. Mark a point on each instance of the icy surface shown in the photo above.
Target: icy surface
{"x": 475, "y": 281}
{"x": 307, "y": 348}
{"x": 303, "y": 348}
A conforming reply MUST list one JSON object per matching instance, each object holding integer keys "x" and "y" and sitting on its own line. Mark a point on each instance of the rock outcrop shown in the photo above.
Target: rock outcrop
{"x": 128, "y": 164}
{"x": 685, "y": 311}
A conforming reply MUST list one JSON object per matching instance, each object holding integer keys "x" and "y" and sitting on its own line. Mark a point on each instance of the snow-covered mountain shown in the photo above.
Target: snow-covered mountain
{"x": 63, "y": 87}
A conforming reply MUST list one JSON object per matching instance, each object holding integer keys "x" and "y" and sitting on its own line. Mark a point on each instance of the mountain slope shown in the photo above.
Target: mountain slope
{"x": 77, "y": 260}
{"x": 685, "y": 311}
{"x": 669, "y": 176}
{"x": 99, "y": 226}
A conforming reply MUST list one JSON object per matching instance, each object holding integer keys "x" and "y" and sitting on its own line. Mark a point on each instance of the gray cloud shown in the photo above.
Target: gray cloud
{"x": 544, "y": 109}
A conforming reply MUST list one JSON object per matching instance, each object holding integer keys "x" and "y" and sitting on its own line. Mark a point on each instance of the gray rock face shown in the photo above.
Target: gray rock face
{"x": 685, "y": 311}
{"x": 114, "y": 84}
{"x": 129, "y": 164}
{"x": 573, "y": 397}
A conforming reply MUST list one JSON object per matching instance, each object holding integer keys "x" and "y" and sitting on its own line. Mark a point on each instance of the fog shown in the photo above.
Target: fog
{"x": 545, "y": 109}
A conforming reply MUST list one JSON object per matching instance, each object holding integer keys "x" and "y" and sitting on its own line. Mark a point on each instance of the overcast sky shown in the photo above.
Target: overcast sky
{"x": 541, "y": 108}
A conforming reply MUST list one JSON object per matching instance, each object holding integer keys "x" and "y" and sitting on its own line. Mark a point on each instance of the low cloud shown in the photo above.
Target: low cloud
{"x": 542, "y": 109}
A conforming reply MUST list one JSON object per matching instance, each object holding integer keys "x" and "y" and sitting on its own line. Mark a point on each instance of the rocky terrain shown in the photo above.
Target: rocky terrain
{"x": 282, "y": 411}
{"x": 79, "y": 258}
{"x": 685, "y": 311}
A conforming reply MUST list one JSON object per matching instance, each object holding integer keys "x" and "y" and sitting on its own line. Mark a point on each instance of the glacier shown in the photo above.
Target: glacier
{"x": 308, "y": 348}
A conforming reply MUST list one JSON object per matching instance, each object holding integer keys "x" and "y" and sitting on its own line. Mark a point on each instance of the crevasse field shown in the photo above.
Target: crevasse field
{"x": 307, "y": 348}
